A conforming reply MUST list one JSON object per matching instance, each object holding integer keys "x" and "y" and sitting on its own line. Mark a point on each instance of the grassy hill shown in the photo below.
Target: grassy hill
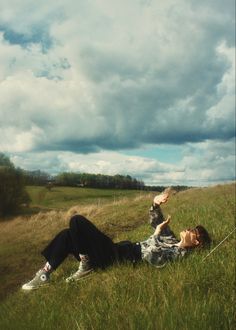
{"x": 64, "y": 197}
{"x": 188, "y": 294}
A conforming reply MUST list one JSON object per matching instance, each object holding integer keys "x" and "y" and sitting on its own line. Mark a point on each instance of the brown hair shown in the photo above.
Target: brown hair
{"x": 204, "y": 237}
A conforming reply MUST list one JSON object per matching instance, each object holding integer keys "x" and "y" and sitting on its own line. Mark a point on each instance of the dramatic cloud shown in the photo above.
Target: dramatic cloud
{"x": 98, "y": 76}
{"x": 202, "y": 164}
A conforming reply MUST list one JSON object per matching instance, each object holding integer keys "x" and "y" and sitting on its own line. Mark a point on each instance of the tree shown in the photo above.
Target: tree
{"x": 37, "y": 177}
{"x": 12, "y": 187}
{"x": 5, "y": 161}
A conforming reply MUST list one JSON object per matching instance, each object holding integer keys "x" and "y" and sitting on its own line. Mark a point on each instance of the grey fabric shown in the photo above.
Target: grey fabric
{"x": 159, "y": 249}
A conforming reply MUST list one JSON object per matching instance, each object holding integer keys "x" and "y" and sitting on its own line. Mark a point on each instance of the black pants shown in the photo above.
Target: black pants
{"x": 82, "y": 237}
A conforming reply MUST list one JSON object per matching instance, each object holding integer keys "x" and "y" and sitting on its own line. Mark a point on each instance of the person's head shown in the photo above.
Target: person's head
{"x": 196, "y": 237}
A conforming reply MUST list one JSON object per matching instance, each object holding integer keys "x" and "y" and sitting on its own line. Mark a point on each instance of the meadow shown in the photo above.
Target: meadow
{"x": 189, "y": 294}
{"x": 64, "y": 197}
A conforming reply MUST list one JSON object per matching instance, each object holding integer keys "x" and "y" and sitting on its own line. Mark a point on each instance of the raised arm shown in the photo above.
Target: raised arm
{"x": 162, "y": 226}
{"x": 156, "y": 216}
{"x": 155, "y": 213}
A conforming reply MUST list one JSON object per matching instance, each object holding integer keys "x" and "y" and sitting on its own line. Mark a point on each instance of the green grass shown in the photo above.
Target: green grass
{"x": 188, "y": 294}
{"x": 64, "y": 197}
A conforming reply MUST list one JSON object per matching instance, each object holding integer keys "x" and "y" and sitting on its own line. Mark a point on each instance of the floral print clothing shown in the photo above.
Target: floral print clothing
{"x": 158, "y": 249}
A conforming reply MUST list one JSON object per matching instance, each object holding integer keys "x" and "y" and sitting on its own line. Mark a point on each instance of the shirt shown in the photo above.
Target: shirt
{"x": 158, "y": 249}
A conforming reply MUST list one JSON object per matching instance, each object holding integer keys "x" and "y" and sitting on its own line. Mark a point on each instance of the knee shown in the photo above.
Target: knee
{"x": 63, "y": 233}
{"x": 76, "y": 219}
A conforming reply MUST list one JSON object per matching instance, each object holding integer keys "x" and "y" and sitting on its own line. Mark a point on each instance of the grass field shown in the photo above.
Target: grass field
{"x": 188, "y": 294}
{"x": 64, "y": 197}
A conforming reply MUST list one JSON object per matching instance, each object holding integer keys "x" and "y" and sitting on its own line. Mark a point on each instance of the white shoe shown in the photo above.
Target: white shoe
{"x": 84, "y": 270}
{"x": 41, "y": 278}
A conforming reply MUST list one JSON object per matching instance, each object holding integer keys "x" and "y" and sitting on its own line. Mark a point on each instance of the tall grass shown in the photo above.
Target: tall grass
{"x": 188, "y": 294}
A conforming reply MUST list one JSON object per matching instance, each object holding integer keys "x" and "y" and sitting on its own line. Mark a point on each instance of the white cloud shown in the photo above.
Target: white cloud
{"x": 223, "y": 112}
{"x": 202, "y": 163}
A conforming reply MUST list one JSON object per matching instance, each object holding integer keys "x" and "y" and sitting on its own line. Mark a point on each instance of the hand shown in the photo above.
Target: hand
{"x": 162, "y": 225}
{"x": 166, "y": 222}
{"x": 162, "y": 198}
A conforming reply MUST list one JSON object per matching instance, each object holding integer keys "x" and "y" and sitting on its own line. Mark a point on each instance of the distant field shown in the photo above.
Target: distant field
{"x": 189, "y": 294}
{"x": 64, "y": 197}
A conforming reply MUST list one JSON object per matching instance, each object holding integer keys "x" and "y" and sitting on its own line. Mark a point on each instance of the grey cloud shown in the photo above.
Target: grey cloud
{"x": 82, "y": 147}
{"x": 102, "y": 64}
{"x": 216, "y": 158}
{"x": 149, "y": 98}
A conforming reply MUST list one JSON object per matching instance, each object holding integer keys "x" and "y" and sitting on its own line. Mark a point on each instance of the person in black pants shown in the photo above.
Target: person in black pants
{"x": 96, "y": 250}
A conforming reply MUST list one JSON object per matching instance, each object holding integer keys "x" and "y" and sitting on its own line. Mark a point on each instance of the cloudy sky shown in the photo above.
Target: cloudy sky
{"x": 142, "y": 87}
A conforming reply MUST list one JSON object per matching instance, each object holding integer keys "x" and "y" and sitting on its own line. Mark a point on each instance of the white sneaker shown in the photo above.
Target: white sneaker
{"x": 41, "y": 278}
{"x": 84, "y": 270}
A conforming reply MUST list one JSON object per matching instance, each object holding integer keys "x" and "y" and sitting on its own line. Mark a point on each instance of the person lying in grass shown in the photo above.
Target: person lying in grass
{"x": 93, "y": 249}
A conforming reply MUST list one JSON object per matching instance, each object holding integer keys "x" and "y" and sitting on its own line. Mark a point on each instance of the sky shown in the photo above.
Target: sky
{"x": 145, "y": 88}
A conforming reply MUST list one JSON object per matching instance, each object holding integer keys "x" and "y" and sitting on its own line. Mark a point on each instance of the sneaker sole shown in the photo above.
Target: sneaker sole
{"x": 82, "y": 277}
{"x": 30, "y": 288}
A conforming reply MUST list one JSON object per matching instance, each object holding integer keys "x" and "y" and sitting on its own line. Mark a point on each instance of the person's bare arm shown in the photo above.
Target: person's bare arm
{"x": 162, "y": 225}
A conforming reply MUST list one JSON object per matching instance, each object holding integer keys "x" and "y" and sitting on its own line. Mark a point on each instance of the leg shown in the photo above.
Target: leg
{"x": 59, "y": 248}
{"x": 94, "y": 248}
{"x": 85, "y": 242}
{"x": 89, "y": 240}
{"x": 55, "y": 253}
{"x": 76, "y": 240}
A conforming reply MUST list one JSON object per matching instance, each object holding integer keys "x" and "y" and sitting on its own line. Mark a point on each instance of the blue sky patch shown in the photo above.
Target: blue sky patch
{"x": 35, "y": 36}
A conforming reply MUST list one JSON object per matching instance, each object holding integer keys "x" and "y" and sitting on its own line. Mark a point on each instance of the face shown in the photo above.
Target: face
{"x": 189, "y": 237}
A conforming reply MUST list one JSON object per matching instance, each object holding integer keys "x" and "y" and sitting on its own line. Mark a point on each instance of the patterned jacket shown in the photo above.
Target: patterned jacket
{"x": 159, "y": 249}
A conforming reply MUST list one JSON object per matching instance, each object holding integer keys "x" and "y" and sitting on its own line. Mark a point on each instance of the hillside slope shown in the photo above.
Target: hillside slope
{"x": 190, "y": 294}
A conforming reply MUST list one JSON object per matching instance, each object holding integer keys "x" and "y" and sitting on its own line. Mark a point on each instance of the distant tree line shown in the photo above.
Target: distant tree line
{"x": 73, "y": 179}
{"x": 98, "y": 181}
{"x": 161, "y": 188}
